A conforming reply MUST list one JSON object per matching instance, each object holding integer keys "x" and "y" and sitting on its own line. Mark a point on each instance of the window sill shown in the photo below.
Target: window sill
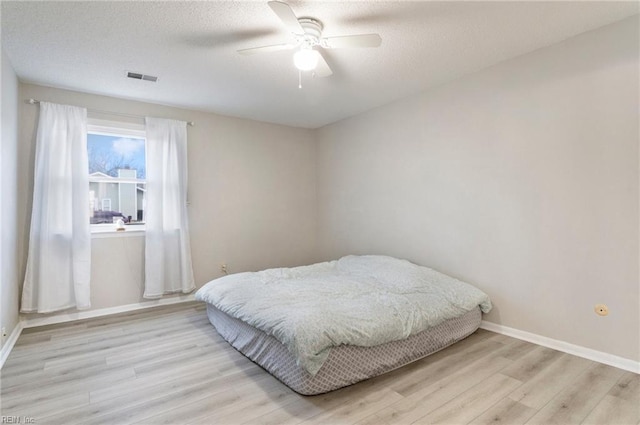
{"x": 109, "y": 231}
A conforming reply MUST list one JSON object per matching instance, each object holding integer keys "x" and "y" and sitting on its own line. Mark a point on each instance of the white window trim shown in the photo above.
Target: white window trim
{"x": 105, "y": 127}
{"x": 121, "y": 128}
{"x": 108, "y": 230}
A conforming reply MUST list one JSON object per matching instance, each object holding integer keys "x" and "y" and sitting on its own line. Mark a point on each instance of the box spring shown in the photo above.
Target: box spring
{"x": 346, "y": 364}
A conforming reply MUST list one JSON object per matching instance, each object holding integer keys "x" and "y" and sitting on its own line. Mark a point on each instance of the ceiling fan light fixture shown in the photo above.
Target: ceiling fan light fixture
{"x": 306, "y": 59}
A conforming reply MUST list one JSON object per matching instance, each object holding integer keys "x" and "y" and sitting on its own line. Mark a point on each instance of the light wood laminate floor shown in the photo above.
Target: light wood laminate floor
{"x": 169, "y": 366}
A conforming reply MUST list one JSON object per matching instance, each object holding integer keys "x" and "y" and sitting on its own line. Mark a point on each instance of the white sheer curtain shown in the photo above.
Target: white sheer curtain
{"x": 59, "y": 262}
{"x": 167, "y": 247}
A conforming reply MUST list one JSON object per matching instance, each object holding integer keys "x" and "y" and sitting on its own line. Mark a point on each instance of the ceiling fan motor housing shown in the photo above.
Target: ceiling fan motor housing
{"x": 312, "y": 32}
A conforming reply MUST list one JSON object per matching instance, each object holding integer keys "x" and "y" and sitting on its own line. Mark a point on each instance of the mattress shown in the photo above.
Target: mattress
{"x": 346, "y": 364}
{"x": 359, "y": 300}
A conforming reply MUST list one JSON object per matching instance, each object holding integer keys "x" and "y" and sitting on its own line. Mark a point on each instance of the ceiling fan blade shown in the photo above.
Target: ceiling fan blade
{"x": 322, "y": 69}
{"x": 287, "y": 16}
{"x": 266, "y": 49}
{"x": 346, "y": 41}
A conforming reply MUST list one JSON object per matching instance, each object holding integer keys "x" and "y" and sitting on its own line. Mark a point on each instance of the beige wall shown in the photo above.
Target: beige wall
{"x": 251, "y": 192}
{"x": 521, "y": 179}
{"x": 8, "y": 194}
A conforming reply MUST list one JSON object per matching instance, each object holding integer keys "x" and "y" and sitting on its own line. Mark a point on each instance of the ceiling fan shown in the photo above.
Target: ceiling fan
{"x": 307, "y": 37}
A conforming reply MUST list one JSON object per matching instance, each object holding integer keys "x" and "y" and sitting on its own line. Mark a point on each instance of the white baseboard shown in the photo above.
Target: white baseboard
{"x": 9, "y": 343}
{"x": 88, "y": 314}
{"x": 565, "y": 347}
{"x": 576, "y": 350}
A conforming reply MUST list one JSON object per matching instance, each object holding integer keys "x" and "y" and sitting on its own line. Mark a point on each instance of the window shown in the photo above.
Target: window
{"x": 117, "y": 173}
{"x": 106, "y": 204}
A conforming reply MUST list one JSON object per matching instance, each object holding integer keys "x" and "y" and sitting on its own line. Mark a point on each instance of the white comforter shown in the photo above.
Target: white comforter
{"x": 357, "y": 300}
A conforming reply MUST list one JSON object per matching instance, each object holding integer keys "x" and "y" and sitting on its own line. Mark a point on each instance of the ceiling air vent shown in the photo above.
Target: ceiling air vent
{"x": 138, "y": 76}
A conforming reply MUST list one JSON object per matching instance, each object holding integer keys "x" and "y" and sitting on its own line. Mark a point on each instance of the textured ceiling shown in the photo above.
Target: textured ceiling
{"x": 191, "y": 47}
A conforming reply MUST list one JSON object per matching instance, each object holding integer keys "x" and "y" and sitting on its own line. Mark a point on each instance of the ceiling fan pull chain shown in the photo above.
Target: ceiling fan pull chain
{"x": 299, "y": 79}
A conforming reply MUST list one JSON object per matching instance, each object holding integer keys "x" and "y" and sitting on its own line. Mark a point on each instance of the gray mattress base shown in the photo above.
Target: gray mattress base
{"x": 346, "y": 364}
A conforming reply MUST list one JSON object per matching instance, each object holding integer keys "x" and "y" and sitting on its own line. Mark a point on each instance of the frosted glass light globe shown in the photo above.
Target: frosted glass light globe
{"x": 306, "y": 59}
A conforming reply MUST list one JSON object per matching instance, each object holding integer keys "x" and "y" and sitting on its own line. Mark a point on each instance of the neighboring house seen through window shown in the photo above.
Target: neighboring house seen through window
{"x": 117, "y": 173}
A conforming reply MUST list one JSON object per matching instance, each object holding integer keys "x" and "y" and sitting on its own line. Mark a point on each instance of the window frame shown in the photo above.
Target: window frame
{"x": 118, "y": 129}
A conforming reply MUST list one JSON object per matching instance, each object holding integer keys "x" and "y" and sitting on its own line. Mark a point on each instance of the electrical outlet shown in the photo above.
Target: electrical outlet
{"x": 601, "y": 310}
{"x": 223, "y": 268}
